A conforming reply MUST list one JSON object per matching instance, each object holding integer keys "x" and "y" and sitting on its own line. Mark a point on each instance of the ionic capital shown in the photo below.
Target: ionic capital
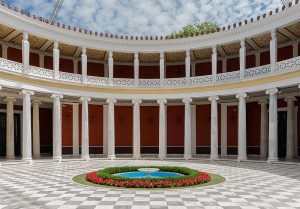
{"x": 26, "y": 92}
{"x": 187, "y": 53}
{"x": 83, "y": 50}
{"x": 273, "y": 33}
{"x": 162, "y": 55}
{"x": 111, "y": 100}
{"x": 25, "y": 36}
{"x": 214, "y": 49}
{"x": 243, "y": 43}
{"x": 84, "y": 99}
{"x": 272, "y": 91}
{"x": 110, "y": 54}
{"x": 136, "y": 101}
{"x": 187, "y": 100}
{"x": 10, "y": 99}
{"x": 213, "y": 98}
{"x": 290, "y": 99}
{"x": 55, "y": 44}
{"x": 136, "y": 55}
{"x": 36, "y": 102}
{"x": 56, "y": 96}
{"x": 241, "y": 95}
{"x": 263, "y": 102}
{"x": 162, "y": 101}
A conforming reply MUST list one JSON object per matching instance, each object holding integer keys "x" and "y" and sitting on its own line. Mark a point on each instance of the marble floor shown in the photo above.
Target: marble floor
{"x": 48, "y": 184}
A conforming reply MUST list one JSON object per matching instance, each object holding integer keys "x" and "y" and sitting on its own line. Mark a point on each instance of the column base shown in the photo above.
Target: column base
{"x": 136, "y": 157}
{"x": 161, "y": 157}
{"x": 290, "y": 157}
{"x": 270, "y": 160}
{"x": 59, "y": 159}
{"x": 242, "y": 158}
{"x": 28, "y": 160}
{"x": 11, "y": 157}
{"x": 37, "y": 156}
{"x": 85, "y": 157}
{"x": 187, "y": 157}
{"x": 214, "y": 158}
{"x": 112, "y": 157}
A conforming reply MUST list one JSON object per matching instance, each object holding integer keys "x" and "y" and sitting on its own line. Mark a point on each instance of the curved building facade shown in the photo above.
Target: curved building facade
{"x": 67, "y": 91}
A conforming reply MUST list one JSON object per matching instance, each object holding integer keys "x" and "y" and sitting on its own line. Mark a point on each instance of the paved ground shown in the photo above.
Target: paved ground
{"x": 248, "y": 185}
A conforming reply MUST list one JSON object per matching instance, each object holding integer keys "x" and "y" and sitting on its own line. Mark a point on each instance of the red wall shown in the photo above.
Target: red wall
{"x": 149, "y": 72}
{"x": 203, "y": 69}
{"x": 123, "y": 125}
{"x": 66, "y": 65}
{"x": 233, "y": 64}
{"x": 250, "y": 61}
{"x": 232, "y": 128}
{"x": 265, "y": 58}
{"x": 48, "y": 62}
{"x": 95, "y": 69}
{"x": 175, "y": 71}
{"x": 34, "y": 59}
{"x": 123, "y": 71}
{"x": 46, "y": 130}
{"x": 149, "y": 128}
{"x": 14, "y": 54}
{"x": 175, "y": 126}
{"x": 0, "y": 50}
{"x": 253, "y": 126}
{"x": 285, "y": 53}
{"x": 67, "y": 125}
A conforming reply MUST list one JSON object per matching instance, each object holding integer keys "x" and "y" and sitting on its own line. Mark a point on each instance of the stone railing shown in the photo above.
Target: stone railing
{"x": 250, "y": 73}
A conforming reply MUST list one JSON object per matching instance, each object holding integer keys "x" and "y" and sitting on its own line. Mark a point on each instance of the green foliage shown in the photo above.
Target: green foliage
{"x": 108, "y": 173}
{"x": 196, "y": 29}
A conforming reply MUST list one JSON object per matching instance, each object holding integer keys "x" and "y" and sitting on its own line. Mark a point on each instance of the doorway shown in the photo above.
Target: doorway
{"x": 282, "y": 131}
{"x": 17, "y": 133}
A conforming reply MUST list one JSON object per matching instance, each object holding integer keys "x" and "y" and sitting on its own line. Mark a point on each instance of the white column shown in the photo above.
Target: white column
{"x": 295, "y": 49}
{"x": 56, "y": 60}
{"x": 162, "y": 129}
{"x": 242, "y": 59}
{"x": 187, "y": 128}
{"x": 273, "y": 50}
{"x": 105, "y": 127}
{"x": 111, "y": 128}
{"x": 290, "y": 140}
{"x": 263, "y": 128}
{"x": 223, "y": 130}
{"x": 57, "y": 143}
{"x": 111, "y": 68}
{"x": 75, "y": 66}
{"x": 193, "y": 126}
{"x": 273, "y": 129}
{"x": 42, "y": 60}
{"x": 106, "y": 74}
{"x": 214, "y": 128}
{"x": 136, "y": 129}
{"x": 25, "y": 53}
{"x": 242, "y": 135}
{"x": 26, "y": 130}
{"x": 85, "y": 128}
{"x": 75, "y": 129}
{"x": 187, "y": 67}
{"x": 162, "y": 68}
{"x": 84, "y": 65}
{"x": 36, "y": 127}
{"x": 4, "y": 51}
{"x": 193, "y": 70}
{"x": 136, "y": 69}
{"x": 224, "y": 65}
{"x": 257, "y": 59}
{"x": 214, "y": 63}
{"x": 10, "y": 139}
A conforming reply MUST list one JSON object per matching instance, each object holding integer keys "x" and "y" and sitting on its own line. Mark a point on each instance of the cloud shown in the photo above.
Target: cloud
{"x": 147, "y": 17}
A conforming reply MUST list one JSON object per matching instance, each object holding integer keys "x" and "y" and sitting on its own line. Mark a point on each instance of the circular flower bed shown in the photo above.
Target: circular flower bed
{"x": 106, "y": 177}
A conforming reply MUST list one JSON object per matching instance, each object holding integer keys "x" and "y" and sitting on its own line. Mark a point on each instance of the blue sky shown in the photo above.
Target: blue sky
{"x": 147, "y": 17}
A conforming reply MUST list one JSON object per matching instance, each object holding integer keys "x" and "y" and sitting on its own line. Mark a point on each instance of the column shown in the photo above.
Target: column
{"x": 76, "y": 129}
{"x": 273, "y": 137}
{"x": 224, "y": 65}
{"x": 273, "y": 50}
{"x": 162, "y": 129}
{"x": 223, "y": 130}
{"x": 75, "y": 66}
{"x": 193, "y": 70}
{"x": 290, "y": 140}
{"x": 257, "y": 59}
{"x": 25, "y": 53}
{"x": 36, "y": 127}
{"x": 194, "y": 129}
{"x": 84, "y": 65}
{"x": 4, "y": 51}
{"x": 214, "y": 63}
{"x": 111, "y": 128}
{"x": 41, "y": 60}
{"x": 10, "y": 139}
{"x": 214, "y": 128}
{"x": 136, "y": 69}
{"x": 85, "y": 128}
{"x": 56, "y": 60}
{"x": 242, "y": 135}
{"x": 57, "y": 144}
{"x": 111, "y": 68}
{"x": 263, "y": 128}
{"x": 242, "y": 59}
{"x": 295, "y": 49}
{"x": 162, "y": 68}
{"x": 105, "y": 128}
{"x": 187, "y": 67}
{"x": 136, "y": 129}
{"x": 187, "y": 128}
{"x": 26, "y": 130}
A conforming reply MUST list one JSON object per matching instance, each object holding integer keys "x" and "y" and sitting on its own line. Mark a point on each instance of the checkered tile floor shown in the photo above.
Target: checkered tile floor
{"x": 248, "y": 185}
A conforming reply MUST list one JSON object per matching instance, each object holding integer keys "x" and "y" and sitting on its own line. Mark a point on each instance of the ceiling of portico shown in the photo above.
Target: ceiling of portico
{"x": 95, "y": 54}
{"x": 149, "y": 57}
{"x": 202, "y": 53}
{"x": 175, "y": 56}
{"x": 123, "y": 57}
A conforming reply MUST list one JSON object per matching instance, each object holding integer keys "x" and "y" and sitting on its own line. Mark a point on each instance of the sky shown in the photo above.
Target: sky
{"x": 147, "y": 17}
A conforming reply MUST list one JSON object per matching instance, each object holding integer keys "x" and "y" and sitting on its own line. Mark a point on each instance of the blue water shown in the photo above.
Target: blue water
{"x": 142, "y": 174}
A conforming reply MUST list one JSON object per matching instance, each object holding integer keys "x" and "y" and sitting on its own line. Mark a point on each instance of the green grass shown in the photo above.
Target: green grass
{"x": 215, "y": 179}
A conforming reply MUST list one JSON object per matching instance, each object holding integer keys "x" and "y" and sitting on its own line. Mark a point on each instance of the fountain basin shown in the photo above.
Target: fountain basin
{"x": 148, "y": 173}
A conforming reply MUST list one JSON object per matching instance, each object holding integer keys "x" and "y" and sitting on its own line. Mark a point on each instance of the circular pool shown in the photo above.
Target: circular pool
{"x": 145, "y": 174}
